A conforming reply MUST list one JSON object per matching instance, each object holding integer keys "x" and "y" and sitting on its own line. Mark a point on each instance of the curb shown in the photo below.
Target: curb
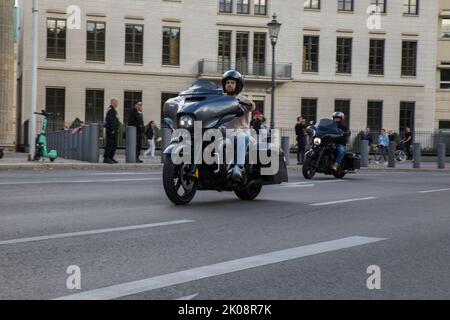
{"x": 158, "y": 166}
{"x": 78, "y": 166}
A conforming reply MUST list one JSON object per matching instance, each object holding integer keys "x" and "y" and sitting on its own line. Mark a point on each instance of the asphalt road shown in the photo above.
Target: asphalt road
{"x": 301, "y": 240}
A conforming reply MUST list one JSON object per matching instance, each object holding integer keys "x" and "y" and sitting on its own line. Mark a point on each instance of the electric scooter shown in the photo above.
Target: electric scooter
{"x": 41, "y": 151}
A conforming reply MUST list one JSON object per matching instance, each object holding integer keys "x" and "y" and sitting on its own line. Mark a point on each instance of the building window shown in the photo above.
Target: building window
{"x": 345, "y": 5}
{"x": 445, "y": 28}
{"x": 171, "y": 46}
{"x": 381, "y": 4}
{"x": 344, "y": 55}
{"x": 95, "y": 41}
{"x": 242, "y": 52}
{"x": 309, "y": 110}
{"x": 224, "y": 58}
{"x": 243, "y": 6}
{"x": 411, "y": 7}
{"x": 445, "y": 78}
{"x": 375, "y": 115}
{"x": 311, "y": 4}
{"x": 344, "y": 107}
{"x": 95, "y": 104}
{"x": 56, "y": 38}
{"x": 409, "y": 58}
{"x": 259, "y": 54}
{"x": 131, "y": 98}
{"x": 407, "y": 116}
{"x": 444, "y": 124}
{"x": 260, "y": 7}
{"x": 55, "y": 102}
{"x": 134, "y": 43}
{"x": 376, "y": 57}
{"x": 226, "y": 6}
{"x": 164, "y": 97}
{"x": 311, "y": 53}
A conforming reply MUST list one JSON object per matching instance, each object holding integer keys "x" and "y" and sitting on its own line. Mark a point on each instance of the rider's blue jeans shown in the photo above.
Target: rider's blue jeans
{"x": 242, "y": 141}
{"x": 340, "y": 153}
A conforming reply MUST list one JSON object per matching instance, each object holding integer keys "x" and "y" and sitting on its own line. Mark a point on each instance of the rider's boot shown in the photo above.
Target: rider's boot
{"x": 334, "y": 166}
{"x": 236, "y": 172}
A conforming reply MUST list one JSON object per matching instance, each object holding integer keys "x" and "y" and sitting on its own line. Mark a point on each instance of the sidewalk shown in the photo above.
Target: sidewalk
{"x": 19, "y": 161}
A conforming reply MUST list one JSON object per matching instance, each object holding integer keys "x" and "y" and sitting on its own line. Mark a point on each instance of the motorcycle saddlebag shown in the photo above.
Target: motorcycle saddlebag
{"x": 352, "y": 161}
{"x": 281, "y": 175}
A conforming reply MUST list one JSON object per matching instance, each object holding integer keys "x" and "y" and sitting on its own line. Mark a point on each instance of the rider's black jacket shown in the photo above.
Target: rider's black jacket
{"x": 345, "y": 134}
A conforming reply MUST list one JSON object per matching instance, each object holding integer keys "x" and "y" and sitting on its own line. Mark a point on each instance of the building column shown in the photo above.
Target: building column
{"x": 7, "y": 60}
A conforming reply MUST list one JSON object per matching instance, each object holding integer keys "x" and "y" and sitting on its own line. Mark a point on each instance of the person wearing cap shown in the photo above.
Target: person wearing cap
{"x": 340, "y": 142}
{"x": 256, "y": 122}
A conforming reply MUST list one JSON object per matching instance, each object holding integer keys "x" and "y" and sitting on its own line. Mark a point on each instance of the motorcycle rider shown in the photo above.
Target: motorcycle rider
{"x": 232, "y": 84}
{"x": 341, "y": 142}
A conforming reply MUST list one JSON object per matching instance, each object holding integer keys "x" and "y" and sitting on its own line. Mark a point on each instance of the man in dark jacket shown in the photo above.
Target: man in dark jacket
{"x": 136, "y": 119}
{"x": 341, "y": 142}
{"x": 112, "y": 132}
{"x": 300, "y": 128}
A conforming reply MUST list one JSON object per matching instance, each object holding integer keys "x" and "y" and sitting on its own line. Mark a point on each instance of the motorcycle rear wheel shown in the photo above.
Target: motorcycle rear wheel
{"x": 249, "y": 193}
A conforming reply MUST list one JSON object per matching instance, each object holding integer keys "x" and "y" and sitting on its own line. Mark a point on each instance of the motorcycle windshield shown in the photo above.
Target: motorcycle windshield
{"x": 326, "y": 126}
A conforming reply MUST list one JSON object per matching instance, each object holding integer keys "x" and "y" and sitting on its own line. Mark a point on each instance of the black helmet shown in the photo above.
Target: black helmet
{"x": 236, "y": 76}
{"x": 339, "y": 115}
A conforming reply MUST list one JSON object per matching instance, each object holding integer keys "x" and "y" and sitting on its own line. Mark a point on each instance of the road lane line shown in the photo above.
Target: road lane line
{"x": 294, "y": 185}
{"x": 124, "y": 173}
{"x": 341, "y": 201}
{"x": 431, "y": 191}
{"x": 77, "y": 181}
{"x": 188, "y": 297}
{"x": 163, "y": 281}
{"x": 92, "y": 232}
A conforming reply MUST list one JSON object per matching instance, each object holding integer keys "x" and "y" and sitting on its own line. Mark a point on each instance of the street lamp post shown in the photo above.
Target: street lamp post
{"x": 34, "y": 76}
{"x": 274, "y": 29}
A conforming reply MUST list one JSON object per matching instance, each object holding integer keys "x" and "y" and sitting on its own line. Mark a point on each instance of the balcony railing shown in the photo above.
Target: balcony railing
{"x": 248, "y": 69}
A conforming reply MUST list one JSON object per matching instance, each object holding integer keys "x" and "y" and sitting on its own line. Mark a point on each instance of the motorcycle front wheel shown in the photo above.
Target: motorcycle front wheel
{"x": 308, "y": 170}
{"x": 179, "y": 187}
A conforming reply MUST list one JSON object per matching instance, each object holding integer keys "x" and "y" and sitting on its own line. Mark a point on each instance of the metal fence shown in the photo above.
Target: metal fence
{"x": 429, "y": 140}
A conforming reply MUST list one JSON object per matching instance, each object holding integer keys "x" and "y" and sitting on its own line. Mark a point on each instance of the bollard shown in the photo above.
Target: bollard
{"x": 85, "y": 143}
{"x": 285, "y": 148}
{"x": 67, "y": 143}
{"x": 441, "y": 156}
{"x": 130, "y": 145}
{"x": 94, "y": 151}
{"x": 417, "y": 155}
{"x": 364, "y": 146}
{"x": 166, "y": 136}
{"x": 79, "y": 144}
{"x": 391, "y": 154}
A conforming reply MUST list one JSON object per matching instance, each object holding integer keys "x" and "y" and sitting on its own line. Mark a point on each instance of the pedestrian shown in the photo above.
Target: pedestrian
{"x": 300, "y": 128}
{"x": 151, "y": 133}
{"x": 407, "y": 140}
{"x": 383, "y": 144}
{"x": 256, "y": 122}
{"x": 367, "y": 135}
{"x": 112, "y": 132}
{"x": 136, "y": 119}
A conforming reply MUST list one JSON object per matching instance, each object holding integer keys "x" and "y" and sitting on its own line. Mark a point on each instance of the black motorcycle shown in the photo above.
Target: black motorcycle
{"x": 322, "y": 155}
{"x": 205, "y": 102}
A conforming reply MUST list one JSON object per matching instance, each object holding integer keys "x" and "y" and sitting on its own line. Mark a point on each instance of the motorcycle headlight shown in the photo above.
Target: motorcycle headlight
{"x": 317, "y": 141}
{"x": 186, "y": 122}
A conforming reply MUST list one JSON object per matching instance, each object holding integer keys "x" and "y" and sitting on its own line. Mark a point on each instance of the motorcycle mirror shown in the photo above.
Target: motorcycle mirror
{"x": 169, "y": 123}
